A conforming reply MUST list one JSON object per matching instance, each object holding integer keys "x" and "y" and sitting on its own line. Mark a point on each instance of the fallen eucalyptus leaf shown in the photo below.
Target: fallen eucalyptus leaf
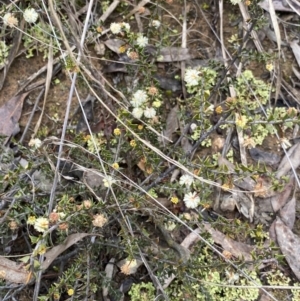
{"x": 114, "y": 45}
{"x": 279, "y": 5}
{"x": 237, "y": 249}
{"x": 296, "y": 50}
{"x": 53, "y": 253}
{"x": 289, "y": 244}
{"x": 13, "y": 272}
{"x": 174, "y": 54}
{"x": 264, "y": 157}
{"x": 288, "y": 213}
{"x": 10, "y": 114}
{"x": 172, "y": 125}
{"x": 294, "y": 160}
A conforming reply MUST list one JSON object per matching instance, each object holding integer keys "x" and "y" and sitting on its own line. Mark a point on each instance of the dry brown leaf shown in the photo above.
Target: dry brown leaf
{"x": 10, "y": 114}
{"x": 294, "y": 160}
{"x": 172, "y": 124}
{"x": 289, "y": 244}
{"x": 288, "y": 213}
{"x": 12, "y": 271}
{"x": 296, "y": 50}
{"x": 174, "y": 54}
{"x": 237, "y": 249}
{"x": 52, "y": 254}
{"x": 279, "y": 5}
{"x": 280, "y": 199}
{"x": 114, "y": 45}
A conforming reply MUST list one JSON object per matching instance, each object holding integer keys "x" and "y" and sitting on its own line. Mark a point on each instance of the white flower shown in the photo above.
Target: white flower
{"x": 126, "y": 26}
{"x": 142, "y": 41}
{"x": 30, "y": 15}
{"x": 192, "y": 77}
{"x": 191, "y": 200}
{"x": 186, "y": 180}
{"x": 139, "y": 97}
{"x": 108, "y": 181}
{"x": 155, "y": 23}
{"x": 41, "y": 224}
{"x": 10, "y": 20}
{"x": 193, "y": 126}
{"x": 234, "y": 2}
{"x": 99, "y": 220}
{"x": 137, "y": 113}
{"x": 115, "y": 28}
{"x": 36, "y": 143}
{"x": 129, "y": 267}
{"x": 149, "y": 112}
{"x": 135, "y": 102}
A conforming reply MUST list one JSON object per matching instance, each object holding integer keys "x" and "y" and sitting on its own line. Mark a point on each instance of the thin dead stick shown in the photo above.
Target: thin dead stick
{"x": 183, "y": 45}
{"x": 31, "y": 115}
{"x": 109, "y": 10}
{"x": 254, "y": 35}
{"x": 137, "y": 8}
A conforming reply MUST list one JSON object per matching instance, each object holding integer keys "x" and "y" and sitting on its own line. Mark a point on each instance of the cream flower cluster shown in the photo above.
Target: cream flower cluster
{"x": 138, "y": 102}
{"x": 117, "y": 28}
{"x": 191, "y": 199}
{"x": 192, "y": 77}
{"x": 30, "y": 15}
{"x": 10, "y": 20}
{"x": 142, "y": 41}
{"x": 155, "y": 24}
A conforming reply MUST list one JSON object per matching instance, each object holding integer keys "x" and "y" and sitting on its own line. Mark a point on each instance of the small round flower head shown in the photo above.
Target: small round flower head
{"x": 155, "y": 23}
{"x": 30, "y": 15}
{"x": 186, "y": 180}
{"x": 234, "y": 2}
{"x": 137, "y": 113}
{"x": 117, "y": 132}
{"x": 70, "y": 292}
{"x": 191, "y": 200}
{"x": 99, "y": 220}
{"x": 139, "y": 97}
{"x": 13, "y": 225}
{"x": 192, "y": 77}
{"x": 115, "y": 165}
{"x": 193, "y": 127}
{"x": 149, "y": 112}
{"x": 153, "y": 91}
{"x": 133, "y": 55}
{"x": 41, "y": 224}
{"x": 269, "y": 67}
{"x": 125, "y": 26}
{"x": 36, "y": 143}
{"x": 174, "y": 200}
{"x": 108, "y": 181}
{"x": 241, "y": 121}
{"x": 115, "y": 28}
{"x": 156, "y": 103}
{"x": 31, "y": 220}
{"x": 129, "y": 267}
{"x": 10, "y": 20}
{"x": 142, "y": 41}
